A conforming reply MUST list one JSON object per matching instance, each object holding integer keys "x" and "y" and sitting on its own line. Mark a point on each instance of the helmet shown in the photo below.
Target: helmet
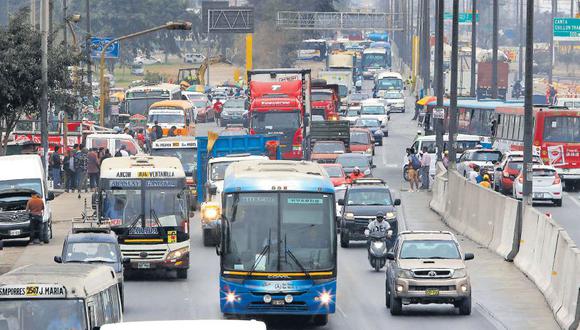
{"x": 486, "y": 177}
{"x": 356, "y": 169}
{"x": 380, "y": 216}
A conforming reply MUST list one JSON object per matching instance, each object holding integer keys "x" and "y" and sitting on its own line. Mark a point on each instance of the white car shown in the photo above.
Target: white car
{"x": 395, "y": 100}
{"x": 352, "y": 114}
{"x": 146, "y": 60}
{"x": 547, "y": 185}
{"x": 193, "y": 58}
{"x": 484, "y": 158}
{"x": 373, "y": 109}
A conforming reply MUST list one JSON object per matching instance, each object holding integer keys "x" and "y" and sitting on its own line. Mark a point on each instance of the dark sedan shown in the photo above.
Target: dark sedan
{"x": 374, "y": 125}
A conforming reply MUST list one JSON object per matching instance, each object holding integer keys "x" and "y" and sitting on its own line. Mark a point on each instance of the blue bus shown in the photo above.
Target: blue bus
{"x": 278, "y": 240}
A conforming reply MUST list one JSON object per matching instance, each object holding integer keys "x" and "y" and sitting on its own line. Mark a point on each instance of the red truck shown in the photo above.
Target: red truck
{"x": 484, "y": 80}
{"x": 280, "y": 105}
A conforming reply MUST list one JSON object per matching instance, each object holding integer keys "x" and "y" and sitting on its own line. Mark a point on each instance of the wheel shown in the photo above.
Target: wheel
{"x": 208, "y": 240}
{"x": 387, "y": 294}
{"x": 386, "y": 133}
{"x": 344, "y": 239}
{"x": 126, "y": 275}
{"x": 405, "y": 174}
{"x": 465, "y": 306}
{"x": 46, "y": 232}
{"x": 320, "y": 320}
{"x": 377, "y": 265}
{"x": 182, "y": 273}
{"x": 558, "y": 202}
{"x": 403, "y": 110}
{"x": 396, "y": 305}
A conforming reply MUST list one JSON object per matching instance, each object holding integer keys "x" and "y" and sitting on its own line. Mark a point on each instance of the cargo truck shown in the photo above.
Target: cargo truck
{"x": 484, "y": 80}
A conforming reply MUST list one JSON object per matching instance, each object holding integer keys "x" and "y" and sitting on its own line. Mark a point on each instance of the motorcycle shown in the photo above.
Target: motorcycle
{"x": 377, "y": 249}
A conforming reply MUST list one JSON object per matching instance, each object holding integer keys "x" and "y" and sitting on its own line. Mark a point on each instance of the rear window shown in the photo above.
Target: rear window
{"x": 544, "y": 172}
{"x": 485, "y": 156}
{"x": 334, "y": 171}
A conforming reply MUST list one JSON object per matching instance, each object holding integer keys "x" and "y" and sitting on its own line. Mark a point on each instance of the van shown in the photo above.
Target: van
{"x": 20, "y": 177}
{"x": 464, "y": 142}
{"x": 113, "y": 142}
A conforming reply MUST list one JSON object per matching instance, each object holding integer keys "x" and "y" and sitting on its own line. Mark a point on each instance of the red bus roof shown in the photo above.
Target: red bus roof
{"x": 545, "y": 110}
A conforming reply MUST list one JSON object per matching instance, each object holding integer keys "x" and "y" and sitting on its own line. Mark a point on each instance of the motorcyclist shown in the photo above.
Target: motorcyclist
{"x": 379, "y": 227}
{"x": 517, "y": 89}
{"x": 356, "y": 174}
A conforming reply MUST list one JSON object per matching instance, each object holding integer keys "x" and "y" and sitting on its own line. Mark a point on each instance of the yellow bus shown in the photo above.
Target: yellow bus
{"x": 175, "y": 113}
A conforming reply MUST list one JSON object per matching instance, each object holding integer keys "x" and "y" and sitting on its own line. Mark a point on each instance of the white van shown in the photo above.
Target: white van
{"x": 113, "y": 142}
{"x": 464, "y": 142}
{"x": 20, "y": 177}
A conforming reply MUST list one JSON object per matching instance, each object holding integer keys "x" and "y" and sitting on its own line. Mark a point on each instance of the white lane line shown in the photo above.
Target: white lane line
{"x": 341, "y": 311}
{"x": 577, "y": 202}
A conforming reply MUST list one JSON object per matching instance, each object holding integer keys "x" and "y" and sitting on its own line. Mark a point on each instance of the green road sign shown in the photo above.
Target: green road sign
{"x": 567, "y": 28}
{"x": 463, "y": 17}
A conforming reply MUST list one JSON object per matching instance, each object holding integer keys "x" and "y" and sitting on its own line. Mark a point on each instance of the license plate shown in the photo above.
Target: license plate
{"x": 432, "y": 292}
{"x": 278, "y": 302}
{"x": 15, "y": 232}
{"x": 538, "y": 195}
{"x": 143, "y": 265}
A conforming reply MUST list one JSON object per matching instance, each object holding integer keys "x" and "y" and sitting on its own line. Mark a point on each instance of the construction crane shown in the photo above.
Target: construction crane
{"x": 196, "y": 76}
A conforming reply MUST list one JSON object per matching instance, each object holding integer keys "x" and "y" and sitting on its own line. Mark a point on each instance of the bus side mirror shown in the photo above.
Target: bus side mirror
{"x": 397, "y": 202}
{"x": 218, "y": 250}
{"x": 50, "y": 196}
{"x": 58, "y": 259}
{"x": 212, "y": 189}
{"x": 341, "y": 201}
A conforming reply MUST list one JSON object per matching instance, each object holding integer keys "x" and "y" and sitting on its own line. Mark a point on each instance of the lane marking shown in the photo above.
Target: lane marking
{"x": 341, "y": 311}
{"x": 577, "y": 202}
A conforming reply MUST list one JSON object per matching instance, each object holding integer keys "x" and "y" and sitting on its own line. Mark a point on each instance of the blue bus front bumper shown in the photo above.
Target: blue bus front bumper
{"x": 248, "y": 298}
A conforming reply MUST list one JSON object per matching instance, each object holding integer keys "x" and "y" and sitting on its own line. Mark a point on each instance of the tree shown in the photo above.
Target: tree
{"x": 20, "y": 75}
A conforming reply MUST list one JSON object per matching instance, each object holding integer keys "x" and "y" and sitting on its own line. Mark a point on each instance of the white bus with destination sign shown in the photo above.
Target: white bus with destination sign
{"x": 145, "y": 200}
{"x": 55, "y": 297}
{"x": 184, "y": 148}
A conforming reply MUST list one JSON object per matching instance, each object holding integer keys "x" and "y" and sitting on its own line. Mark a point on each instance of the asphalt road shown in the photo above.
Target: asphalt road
{"x": 567, "y": 216}
{"x": 360, "y": 297}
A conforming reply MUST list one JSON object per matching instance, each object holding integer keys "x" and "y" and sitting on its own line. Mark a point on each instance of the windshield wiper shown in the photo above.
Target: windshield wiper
{"x": 265, "y": 250}
{"x": 293, "y": 257}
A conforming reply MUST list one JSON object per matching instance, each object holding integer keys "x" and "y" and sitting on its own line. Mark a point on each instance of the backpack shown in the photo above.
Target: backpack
{"x": 118, "y": 153}
{"x": 415, "y": 162}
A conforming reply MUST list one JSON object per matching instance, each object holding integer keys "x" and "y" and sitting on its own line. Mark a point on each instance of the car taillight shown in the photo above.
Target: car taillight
{"x": 506, "y": 175}
{"x": 557, "y": 179}
{"x": 185, "y": 226}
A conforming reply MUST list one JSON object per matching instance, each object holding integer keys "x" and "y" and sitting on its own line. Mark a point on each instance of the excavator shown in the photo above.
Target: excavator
{"x": 196, "y": 76}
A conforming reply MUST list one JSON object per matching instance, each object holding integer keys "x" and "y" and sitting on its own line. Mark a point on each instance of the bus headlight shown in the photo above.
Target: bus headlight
{"x": 177, "y": 254}
{"x": 324, "y": 298}
{"x": 267, "y": 298}
{"x": 210, "y": 212}
{"x": 231, "y": 297}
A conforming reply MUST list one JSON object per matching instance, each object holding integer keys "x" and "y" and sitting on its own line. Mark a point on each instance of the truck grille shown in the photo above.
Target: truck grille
{"x": 432, "y": 273}
{"x": 154, "y": 254}
{"x": 14, "y": 217}
{"x": 427, "y": 287}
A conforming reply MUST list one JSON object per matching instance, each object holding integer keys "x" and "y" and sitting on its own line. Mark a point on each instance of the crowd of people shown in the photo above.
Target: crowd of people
{"x": 418, "y": 166}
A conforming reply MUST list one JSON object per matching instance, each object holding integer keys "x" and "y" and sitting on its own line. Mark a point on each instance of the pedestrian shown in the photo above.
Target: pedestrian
{"x": 55, "y": 165}
{"x": 69, "y": 171}
{"x": 35, "y": 209}
{"x": 106, "y": 154}
{"x": 446, "y": 159}
{"x": 81, "y": 163}
{"x": 413, "y": 165}
{"x": 172, "y": 131}
{"x": 156, "y": 132}
{"x": 93, "y": 165}
{"x": 417, "y": 107}
{"x": 485, "y": 182}
{"x": 474, "y": 175}
{"x": 425, "y": 166}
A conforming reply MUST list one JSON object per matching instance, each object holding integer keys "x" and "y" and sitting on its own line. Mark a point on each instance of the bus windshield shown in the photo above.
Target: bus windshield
{"x": 141, "y": 106}
{"x": 167, "y": 118}
{"x": 124, "y": 207}
{"x": 50, "y": 314}
{"x": 374, "y": 60}
{"x": 279, "y": 231}
{"x": 391, "y": 83}
{"x": 564, "y": 129}
{"x": 319, "y": 96}
{"x": 188, "y": 157}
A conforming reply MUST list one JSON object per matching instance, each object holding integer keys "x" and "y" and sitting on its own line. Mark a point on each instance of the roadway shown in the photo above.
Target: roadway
{"x": 361, "y": 303}
{"x": 566, "y": 216}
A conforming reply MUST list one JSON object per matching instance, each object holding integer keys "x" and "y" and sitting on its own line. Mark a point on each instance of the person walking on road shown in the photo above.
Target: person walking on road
{"x": 93, "y": 168}
{"x": 417, "y": 108}
{"x": 69, "y": 170}
{"x": 413, "y": 165}
{"x": 55, "y": 165}
{"x": 81, "y": 163}
{"x": 474, "y": 176}
{"x": 425, "y": 166}
{"x": 446, "y": 159}
{"x": 35, "y": 208}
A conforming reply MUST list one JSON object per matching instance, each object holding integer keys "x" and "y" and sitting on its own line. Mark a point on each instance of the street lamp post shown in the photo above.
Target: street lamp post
{"x": 168, "y": 26}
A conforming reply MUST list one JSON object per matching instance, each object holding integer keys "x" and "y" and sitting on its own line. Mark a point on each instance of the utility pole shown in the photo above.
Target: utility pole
{"x": 551, "y": 66}
{"x": 494, "y": 50}
{"x": 521, "y": 35}
{"x": 473, "y": 45}
{"x": 33, "y": 13}
{"x": 88, "y": 51}
{"x": 44, "y": 79}
{"x": 4, "y": 16}
{"x": 528, "y": 107}
{"x": 453, "y": 100}
{"x": 425, "y": 49}
{"x": 64, "y": 18}
{"x": 439, "y": 77}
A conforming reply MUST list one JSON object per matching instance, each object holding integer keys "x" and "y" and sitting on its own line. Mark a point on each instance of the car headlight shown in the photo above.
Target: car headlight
{"x": 349, "y": 216}
{"x": 459, "y": 273}
{"x": 177, "y": 254}
{"x": 391, "y": 215}
{"x": 405, "y": 273}
{"x": 210, "y": 212}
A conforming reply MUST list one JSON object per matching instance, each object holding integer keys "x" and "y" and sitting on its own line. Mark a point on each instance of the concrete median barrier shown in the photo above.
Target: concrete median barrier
{"x": 563, "y": 291}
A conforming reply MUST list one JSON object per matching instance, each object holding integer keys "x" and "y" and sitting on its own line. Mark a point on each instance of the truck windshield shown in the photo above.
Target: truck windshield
{"x": 88, "y": 251}
{"x": 218, "y": 170}
{"x": 264, "y": 122}
{"x": 188, "y": 157}
{"x": 125, "y": 206}
{"x": 429, "y": 249}
{"x": 279, "y": 226}
{"x": 359, "y": 138}
{"x": 320, "y": 97}
{"x": 369, "y": 197}
{"x": 33, "y": 184}
{"x": 50, "y": 314}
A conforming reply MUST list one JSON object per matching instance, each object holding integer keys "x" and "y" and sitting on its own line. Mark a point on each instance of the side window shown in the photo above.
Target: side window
{"x": 131, "y": 147}
{"x": 107, "y": 306}
{"x": 115, "y": 304}
{"x": 416, "y": 145}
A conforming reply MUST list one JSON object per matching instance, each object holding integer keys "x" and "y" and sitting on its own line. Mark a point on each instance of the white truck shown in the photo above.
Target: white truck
{"x": 341, "y": 78}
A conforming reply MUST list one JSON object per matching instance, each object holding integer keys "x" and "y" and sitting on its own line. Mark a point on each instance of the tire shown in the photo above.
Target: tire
{"x": 377, "y": 265}
{"x": 344, "y": 239}
{"x": 465, "y": 306}
{"x": 558, "y": 202}
{"x": 320, "y": 320}
{"x": 396, "y": 305}
{"x": 405, "y": 176}
{"x": 126, "y": 275}
{"x": 387, "y": 294}
{"x": 208, "y": 240}
{"x": 182, "y": 273}
{"x": 403, "y": 110}
{"x": 46, "y": 232}
{"x": 386, "y": 133}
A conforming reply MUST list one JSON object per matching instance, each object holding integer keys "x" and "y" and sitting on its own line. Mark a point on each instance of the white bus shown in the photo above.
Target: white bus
{"x": 145, "y": 200}
{"x": 56, "y": 297}
{"x": 139, "y": 99}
